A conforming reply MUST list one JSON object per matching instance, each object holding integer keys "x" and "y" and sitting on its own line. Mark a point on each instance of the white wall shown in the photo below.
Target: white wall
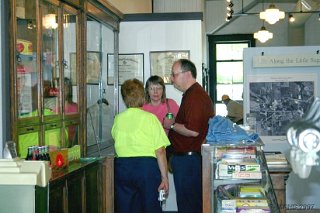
{"x": 146, "y": 36}
{"x": 312, "y": 30}
{"x": 177, "y": 6}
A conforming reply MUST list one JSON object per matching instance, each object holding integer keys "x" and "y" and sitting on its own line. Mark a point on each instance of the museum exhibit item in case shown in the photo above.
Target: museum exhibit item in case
{"x": 236, "y": 178}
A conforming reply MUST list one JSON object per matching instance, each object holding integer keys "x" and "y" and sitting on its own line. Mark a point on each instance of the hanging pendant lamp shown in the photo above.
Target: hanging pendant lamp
{"x": 263, "y": 35}
{"x": 272, "y": 14}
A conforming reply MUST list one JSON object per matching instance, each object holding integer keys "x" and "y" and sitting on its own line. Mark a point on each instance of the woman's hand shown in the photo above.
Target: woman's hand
{"x": 166, "y": 123}
{"x": 164, "y": 185}
{"x": 162, "y": 162}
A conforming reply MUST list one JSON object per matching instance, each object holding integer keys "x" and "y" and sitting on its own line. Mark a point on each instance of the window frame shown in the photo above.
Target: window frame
{"x": 223, "y": 39}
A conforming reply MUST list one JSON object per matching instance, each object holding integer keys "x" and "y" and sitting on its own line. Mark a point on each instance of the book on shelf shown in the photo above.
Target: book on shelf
{"x": 246, "y": 210}
{"x": 238, "y": 155}
{"x": 253, "y": 210}
{"x": 236, "y": 152}
{"x": 239, "y": 202}
{"x": 228, "y": 211}
{"x": 226, "y": 167}
{"x": 276, "y": 159}
{"x": 262, "y": 202}
{"x": 251, "y": 191}
{"x": 245, "y": 205}
{"x": 247, "y": 175}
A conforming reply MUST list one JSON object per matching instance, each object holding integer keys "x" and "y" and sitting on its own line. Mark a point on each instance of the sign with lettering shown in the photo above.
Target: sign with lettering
{"x": 287, "y": 61}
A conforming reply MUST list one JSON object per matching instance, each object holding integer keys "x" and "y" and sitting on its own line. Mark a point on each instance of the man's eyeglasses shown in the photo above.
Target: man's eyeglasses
{"x": 175, "y": 74}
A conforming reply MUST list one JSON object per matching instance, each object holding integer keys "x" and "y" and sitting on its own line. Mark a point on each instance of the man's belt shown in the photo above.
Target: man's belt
{"x": 186, "y": 153}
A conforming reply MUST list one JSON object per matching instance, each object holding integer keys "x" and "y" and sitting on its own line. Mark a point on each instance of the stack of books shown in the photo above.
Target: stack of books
{"x": 249, "y": 199}
{"x": 276, "y": 160}
{"x": 236, "y": 152}
{"x": 238, "y": 163}
{"x": 246, "y": 168}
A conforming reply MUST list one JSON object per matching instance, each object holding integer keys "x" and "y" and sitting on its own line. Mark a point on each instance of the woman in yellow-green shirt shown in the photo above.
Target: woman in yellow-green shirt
{"x": 140, "y": 164}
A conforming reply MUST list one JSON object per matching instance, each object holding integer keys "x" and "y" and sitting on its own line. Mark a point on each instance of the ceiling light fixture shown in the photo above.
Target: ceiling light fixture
{"x": 49, "y": 21}
{"x": 230, "y": 13}
{"x": 291, "y": 18}
{"x": 229, "y": 10}
{"x": 272, "y": 14}
{"x": 263, "y": 35}
{"x": 229, "y": 7}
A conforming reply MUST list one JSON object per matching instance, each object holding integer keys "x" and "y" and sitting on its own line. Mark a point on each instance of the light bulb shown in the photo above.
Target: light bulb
{"x": 272, "y": 14}
{"x": 291, "y": 18}
{"x": 263, "y": 35}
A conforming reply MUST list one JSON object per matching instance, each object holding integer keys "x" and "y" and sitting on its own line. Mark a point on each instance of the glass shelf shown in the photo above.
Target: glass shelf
{"x": 213, "y": 183}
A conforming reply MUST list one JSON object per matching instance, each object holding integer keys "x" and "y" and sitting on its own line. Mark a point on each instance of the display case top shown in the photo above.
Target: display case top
{"x": 258, "y": 142}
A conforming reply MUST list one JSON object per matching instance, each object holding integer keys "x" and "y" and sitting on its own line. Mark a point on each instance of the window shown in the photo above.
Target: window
{"x": 226, "y": 67}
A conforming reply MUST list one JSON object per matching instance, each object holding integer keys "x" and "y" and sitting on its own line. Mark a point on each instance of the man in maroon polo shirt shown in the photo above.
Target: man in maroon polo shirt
{"x": 187, "y": 135}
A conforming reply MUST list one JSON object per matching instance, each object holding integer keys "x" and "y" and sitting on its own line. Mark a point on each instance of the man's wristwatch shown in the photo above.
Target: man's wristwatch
{"x": 172, "y": 126}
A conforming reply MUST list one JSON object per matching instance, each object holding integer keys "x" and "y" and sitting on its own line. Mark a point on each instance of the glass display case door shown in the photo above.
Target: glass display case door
{"x": 100, "y": 92}
{"x": 71, "y": 80}
{"x": 27, "y": 110}
{"x": 59, "y": 72}
{"x": 47, "y": 79}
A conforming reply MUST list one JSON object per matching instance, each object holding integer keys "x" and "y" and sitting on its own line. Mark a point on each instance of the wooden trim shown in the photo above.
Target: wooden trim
{"x": 101, "y": 15}
{"x": 163, "y": 16}
{"x": 108, "y": 184}
{"x": 111, "y": 8}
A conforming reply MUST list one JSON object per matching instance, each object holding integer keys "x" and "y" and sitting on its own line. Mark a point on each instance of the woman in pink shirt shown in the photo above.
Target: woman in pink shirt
{"x": 157, "y": 103}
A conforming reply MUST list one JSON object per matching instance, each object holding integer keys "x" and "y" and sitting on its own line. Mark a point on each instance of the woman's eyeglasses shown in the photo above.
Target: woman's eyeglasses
{"x": 153, "y": 89}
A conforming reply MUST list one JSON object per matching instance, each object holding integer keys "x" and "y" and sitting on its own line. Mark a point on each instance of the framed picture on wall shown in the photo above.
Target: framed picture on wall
{"x": 93, "y": 67}
{"x": 130, "y": 66}
{"x": 161, "y": 62}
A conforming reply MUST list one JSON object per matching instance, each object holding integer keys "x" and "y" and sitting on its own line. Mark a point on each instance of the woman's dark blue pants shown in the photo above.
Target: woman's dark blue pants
{"x": 136, "y": 185}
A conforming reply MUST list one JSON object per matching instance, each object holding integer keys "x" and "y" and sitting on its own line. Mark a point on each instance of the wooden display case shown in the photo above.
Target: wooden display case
{"x": 83, "y": 187}
{"x": 50, "y": 92}
{"x": 50, "y": 46}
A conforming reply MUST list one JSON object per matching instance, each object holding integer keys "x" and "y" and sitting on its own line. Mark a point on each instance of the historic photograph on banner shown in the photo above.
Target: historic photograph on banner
{"x": 278, "y": 100}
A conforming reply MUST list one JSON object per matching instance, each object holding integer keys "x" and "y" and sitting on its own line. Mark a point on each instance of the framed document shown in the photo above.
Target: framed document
{"x": 162, "y": 61}
{"x": 130, "y": 66}
{"x": 93, "y": 67}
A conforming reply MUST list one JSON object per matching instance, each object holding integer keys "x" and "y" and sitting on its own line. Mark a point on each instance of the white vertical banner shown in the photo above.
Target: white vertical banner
{"x": 1, "y": 70}
{"x": 279, "y": 85}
